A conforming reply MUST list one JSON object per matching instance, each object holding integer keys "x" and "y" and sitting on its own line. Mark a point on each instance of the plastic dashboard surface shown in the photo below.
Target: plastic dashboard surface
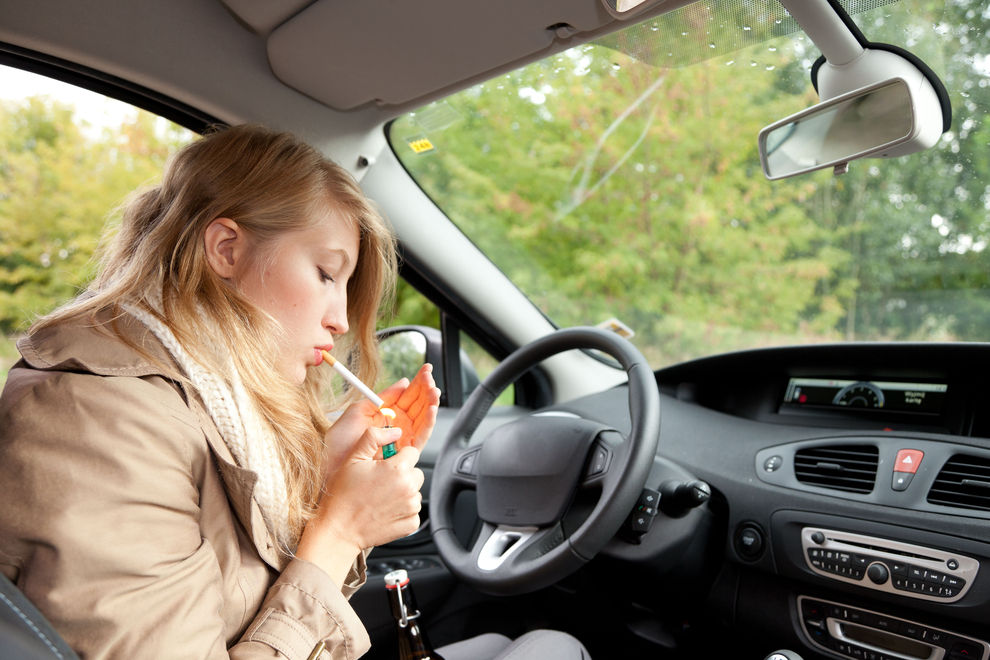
{"x": 723, "y": 418}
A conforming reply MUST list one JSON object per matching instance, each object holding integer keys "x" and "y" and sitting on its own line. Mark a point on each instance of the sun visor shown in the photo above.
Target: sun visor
{"x": 263, "y": 16}
{"x": 416, "y": 49}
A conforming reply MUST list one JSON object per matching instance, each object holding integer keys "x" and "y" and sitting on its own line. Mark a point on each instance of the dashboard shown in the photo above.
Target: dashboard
{"x": 851, "y": 492}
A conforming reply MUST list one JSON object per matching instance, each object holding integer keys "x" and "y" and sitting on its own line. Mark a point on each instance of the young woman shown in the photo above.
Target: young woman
{"x": 173, "y": 486}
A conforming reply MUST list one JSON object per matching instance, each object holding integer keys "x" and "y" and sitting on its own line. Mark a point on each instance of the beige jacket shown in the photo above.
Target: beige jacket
{"x": 126, "y": 521}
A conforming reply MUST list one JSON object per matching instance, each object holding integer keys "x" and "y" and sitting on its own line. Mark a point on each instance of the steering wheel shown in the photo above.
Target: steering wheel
{"x": 526, "y": 473}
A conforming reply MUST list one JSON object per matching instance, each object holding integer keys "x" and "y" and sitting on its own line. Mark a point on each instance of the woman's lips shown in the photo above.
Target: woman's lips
{"x": 318, "y": 352}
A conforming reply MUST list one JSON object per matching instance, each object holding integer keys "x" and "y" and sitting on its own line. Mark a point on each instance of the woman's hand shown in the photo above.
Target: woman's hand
{"x": 366, "y": 502}
{"x": 415, "y": 405}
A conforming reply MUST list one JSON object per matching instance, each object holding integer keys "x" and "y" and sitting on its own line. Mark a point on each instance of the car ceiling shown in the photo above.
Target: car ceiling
{"x": 306, "y": 65}
{"x": 416, "y": 50}
{"x": 388, "y": 54}
{"x": 301, "y": 65}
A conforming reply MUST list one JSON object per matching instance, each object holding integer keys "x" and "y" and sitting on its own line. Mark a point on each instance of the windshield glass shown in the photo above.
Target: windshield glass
{"x": 621, "y": 180}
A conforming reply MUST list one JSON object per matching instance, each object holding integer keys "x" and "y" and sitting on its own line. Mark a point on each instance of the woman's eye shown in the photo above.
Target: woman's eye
{"x": 325, "y": 276}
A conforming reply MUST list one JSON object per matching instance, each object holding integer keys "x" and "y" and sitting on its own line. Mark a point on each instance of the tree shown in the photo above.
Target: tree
{"x": 607, "y": 182}
{"x": 61, "y": 181}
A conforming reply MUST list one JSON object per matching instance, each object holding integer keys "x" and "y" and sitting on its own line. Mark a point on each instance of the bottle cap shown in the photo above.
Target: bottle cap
{"x": 396, "y": 578}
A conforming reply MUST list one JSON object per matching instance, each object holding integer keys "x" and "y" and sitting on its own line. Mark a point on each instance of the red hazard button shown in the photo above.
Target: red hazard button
{"x": 908, "y": 460}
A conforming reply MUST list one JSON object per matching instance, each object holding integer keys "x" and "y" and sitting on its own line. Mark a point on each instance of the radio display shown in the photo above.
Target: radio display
{"x": 896, "y": 396}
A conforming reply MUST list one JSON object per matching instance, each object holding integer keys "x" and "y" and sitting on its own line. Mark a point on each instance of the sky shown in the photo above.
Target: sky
{"x": 91, "y": 108}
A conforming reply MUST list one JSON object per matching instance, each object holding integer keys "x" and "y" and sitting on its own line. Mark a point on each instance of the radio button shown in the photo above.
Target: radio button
{"x": 883, "y": 623}
{"x": 909, "y": 629}
{"x": 878, "y": 573}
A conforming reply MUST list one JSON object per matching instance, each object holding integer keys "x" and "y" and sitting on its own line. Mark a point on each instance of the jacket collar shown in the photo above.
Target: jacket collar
{"x": 96, "y": 348}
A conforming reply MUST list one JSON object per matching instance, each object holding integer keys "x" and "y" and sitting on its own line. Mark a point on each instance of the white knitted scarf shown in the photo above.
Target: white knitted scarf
{"x": 240, "y": 424}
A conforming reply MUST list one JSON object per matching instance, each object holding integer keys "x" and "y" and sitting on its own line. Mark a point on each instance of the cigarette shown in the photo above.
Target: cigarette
{"x": 353, "y": 380}
{"x": 388, "y": 450}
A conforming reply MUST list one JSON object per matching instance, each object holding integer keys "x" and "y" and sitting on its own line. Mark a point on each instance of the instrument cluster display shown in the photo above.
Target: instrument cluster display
{"x": 838, "y": 394}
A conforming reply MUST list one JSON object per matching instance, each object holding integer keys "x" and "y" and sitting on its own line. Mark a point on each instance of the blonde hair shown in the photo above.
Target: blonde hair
{"x": 270, "y": 183}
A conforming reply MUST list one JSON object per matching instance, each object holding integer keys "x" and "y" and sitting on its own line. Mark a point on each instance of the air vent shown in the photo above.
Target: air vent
{"x": 852, "y": 468}
{"x": 963, "y": 482}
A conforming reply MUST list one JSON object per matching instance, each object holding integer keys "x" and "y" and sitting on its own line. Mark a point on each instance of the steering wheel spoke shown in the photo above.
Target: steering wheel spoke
{"x": 496, "y": 544}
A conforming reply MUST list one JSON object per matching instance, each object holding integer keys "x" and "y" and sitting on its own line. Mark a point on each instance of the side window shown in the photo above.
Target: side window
{"x": 68, "y": 158}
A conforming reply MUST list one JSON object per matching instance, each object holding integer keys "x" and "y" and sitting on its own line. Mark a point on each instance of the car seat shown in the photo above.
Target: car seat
{"x": 24, "y": 632}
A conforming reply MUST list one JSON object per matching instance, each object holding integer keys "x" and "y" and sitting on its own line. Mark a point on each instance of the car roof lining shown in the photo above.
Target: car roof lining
{"x": 418, "y": 51}
{"x": 421, "y": 51}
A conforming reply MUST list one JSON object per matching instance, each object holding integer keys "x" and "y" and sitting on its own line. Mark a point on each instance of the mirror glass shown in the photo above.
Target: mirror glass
{"x": 620, "y": 7}
{"x": 838, "y": 130}
{"x": 402, "y": 355}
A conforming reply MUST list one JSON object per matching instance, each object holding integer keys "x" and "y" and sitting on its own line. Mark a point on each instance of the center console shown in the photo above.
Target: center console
{"x": 878, "y": 591}
{"x": 854, "y": 632}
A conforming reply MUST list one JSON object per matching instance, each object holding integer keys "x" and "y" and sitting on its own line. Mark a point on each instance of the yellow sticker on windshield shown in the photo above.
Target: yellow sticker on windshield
{"x": 420, "y": 145}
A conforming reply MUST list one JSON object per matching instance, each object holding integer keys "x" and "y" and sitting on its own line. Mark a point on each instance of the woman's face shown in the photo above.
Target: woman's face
{"x": 301, "y": 281}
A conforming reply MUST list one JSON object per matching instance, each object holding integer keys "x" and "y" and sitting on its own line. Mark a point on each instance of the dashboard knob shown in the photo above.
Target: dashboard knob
{"x": 877, "y": 573}
{"x": 818, "y": 538}
{"x": 677, "y": 498}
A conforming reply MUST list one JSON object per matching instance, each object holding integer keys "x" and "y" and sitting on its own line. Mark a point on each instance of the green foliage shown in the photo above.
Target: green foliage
{"x": 8, "y": 356}
{"x": 59, "y": 183}
{"x": 607, "y": 186}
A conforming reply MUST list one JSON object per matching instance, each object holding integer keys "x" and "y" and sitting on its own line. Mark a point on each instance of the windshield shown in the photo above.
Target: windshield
{"x": 621, "y": 180}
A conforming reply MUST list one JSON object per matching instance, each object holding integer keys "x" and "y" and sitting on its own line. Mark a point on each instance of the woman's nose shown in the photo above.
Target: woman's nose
{"x": 335, "y": 319}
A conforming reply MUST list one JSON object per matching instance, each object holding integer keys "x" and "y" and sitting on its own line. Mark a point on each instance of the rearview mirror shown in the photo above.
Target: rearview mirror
{"x": 870, "y": 121}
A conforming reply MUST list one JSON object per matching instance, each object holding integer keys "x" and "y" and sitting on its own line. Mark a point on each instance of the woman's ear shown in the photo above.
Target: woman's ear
{"x": 225, "y": 244}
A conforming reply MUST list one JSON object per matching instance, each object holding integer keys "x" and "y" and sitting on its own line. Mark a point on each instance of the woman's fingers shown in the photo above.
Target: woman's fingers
{"x": 375, "y": 502}
{"x": 423, "y": 428}
{"x": 420, "y": 389}
{"x": 415, "y": 404}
